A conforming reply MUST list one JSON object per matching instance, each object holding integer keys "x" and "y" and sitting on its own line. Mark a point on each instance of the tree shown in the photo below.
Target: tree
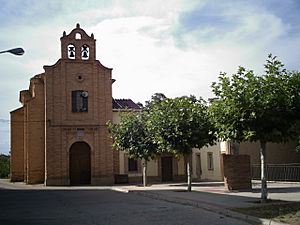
{"x": 155, "y": 99}
{"x": 294, "y": 85}
{"x": 4, "y": 166}
{"x": 255, "y": 108}
{"x": 179, "y": 125}
{"x": 132, "y": 136}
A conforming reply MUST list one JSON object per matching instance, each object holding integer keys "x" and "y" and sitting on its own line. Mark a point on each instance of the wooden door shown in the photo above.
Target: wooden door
{"x": 167, "y": 168}
{"x": 80, "y": 164}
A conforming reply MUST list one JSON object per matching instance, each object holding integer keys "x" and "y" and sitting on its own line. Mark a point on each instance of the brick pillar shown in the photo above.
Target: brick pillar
{"x": 237, "y": 172}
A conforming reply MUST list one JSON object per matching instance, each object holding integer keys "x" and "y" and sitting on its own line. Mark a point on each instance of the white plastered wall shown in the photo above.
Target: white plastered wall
{"x": 181, "y": 166}
{"x": 201, "y": 155}
{"x": 152, "y": 169}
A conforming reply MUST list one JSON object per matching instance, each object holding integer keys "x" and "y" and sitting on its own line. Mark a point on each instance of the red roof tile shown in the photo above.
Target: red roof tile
{"x": 125, "y": 104}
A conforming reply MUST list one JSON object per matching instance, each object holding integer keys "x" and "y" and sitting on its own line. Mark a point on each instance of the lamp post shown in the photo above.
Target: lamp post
{"x": 15, "y": 51}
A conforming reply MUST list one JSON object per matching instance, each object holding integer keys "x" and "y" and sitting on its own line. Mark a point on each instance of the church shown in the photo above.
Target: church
{"x": 60, "y": 137}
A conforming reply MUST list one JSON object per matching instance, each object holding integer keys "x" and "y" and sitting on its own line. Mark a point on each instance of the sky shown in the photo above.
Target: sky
{"x": 175, "y": 47}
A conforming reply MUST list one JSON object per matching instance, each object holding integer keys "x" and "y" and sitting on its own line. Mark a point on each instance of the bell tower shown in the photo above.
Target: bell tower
{"x": 78, "y": 104}
{"x": 78, "y": 45}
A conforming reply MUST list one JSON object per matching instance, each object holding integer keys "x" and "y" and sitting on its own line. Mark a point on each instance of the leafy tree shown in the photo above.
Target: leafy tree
{"x": 255, "y": 108}
{"x": 132, "y": 136}
{"x": 4, "y": 166}
{"x": 294, "y": 85}
{"x": 155, "y": 99}
{"x": 179, "y": 125}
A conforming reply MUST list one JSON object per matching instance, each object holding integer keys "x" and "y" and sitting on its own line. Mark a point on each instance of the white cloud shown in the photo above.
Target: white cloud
{"x": 148, "y": 46}
{"x": 148, "y": 62}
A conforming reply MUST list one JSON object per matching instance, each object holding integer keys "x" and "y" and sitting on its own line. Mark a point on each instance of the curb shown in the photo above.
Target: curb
{"x": 118, "y": 189}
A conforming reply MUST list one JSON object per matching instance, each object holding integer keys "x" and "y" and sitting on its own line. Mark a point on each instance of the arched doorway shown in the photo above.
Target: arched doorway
{"x": 80, "y": 164}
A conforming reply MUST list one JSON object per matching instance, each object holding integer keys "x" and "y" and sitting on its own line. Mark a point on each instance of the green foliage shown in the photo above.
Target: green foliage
{"x": 132, "y": 136}
{"x": 180, "y": 124}
{"x": 4, "y": 166}
{"x": 155, "y": 99}
{"x": 250, "y": 107}
{"x": 166, "y": 125}
{"x": 257, "y": 108}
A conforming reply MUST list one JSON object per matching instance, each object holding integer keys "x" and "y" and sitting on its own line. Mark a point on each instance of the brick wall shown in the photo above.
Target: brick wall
{"x": 237, "y": 172}
{"x": 17, "y": 145}
{"x": 35, "y": 133}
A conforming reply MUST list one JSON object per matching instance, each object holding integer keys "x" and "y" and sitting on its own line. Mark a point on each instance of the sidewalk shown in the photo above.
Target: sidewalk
{"x": 212, "y": 196}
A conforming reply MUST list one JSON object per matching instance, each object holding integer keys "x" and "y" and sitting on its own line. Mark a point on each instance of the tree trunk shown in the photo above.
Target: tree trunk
{"x": 264, "y": 189}
{"x": 144, "y": 163}
{"x": 189, "y": 172}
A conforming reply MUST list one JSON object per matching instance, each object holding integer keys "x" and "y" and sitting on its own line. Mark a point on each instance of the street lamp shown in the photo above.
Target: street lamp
{"x": 15, "y": 51}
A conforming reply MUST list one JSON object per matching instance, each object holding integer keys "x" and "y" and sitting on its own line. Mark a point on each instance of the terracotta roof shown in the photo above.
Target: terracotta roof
{"x": 125, "y": 104}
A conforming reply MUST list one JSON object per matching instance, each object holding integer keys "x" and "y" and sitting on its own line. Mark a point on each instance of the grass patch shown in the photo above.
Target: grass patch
{"x": 285, "y": 213}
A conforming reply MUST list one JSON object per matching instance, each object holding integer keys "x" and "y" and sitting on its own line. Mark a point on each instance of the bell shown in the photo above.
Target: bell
{"x": 84, "y": 48}
{"x": 72, "y": 54}
{"x": 85, "y": 54}
{"x": 72, "y": 51}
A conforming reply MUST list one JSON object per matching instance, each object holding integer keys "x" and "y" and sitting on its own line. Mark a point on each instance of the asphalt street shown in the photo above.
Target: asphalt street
{"x": 90, "y": 207}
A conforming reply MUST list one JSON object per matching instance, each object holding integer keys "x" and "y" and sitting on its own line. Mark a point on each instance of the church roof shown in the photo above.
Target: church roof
{"x": 125, "y": 104}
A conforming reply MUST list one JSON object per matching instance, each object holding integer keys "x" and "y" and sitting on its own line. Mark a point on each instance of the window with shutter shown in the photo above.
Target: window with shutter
{"x": 79, "y": 101}
{"x": 210, "y": 161}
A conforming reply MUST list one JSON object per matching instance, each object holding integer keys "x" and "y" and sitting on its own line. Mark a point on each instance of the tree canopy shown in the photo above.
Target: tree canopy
{"x": 251, "y": 108}
{"x": 179, "y": 125}
{"x": 132, "y": 137}
{"x": 166, "y": 125}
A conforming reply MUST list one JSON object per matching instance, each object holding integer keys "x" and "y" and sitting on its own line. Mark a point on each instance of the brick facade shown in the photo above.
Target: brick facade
{"x": 17, "y": 140}
{"x": 45, "y": 128}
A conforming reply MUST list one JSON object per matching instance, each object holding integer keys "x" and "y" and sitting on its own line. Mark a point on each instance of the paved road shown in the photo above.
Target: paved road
{"x": 90, "y": 207}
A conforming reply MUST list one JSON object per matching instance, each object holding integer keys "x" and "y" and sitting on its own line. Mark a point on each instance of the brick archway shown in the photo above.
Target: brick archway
{"x": 80, "y": 164}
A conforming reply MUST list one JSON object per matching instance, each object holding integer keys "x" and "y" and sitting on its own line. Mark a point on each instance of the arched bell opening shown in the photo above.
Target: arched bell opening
{"x": 71, "y": 51}
{"x": 85, "y": 52}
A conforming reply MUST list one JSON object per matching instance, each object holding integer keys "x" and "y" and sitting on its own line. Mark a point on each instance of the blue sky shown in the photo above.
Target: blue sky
{"x": 175, "y": 47}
